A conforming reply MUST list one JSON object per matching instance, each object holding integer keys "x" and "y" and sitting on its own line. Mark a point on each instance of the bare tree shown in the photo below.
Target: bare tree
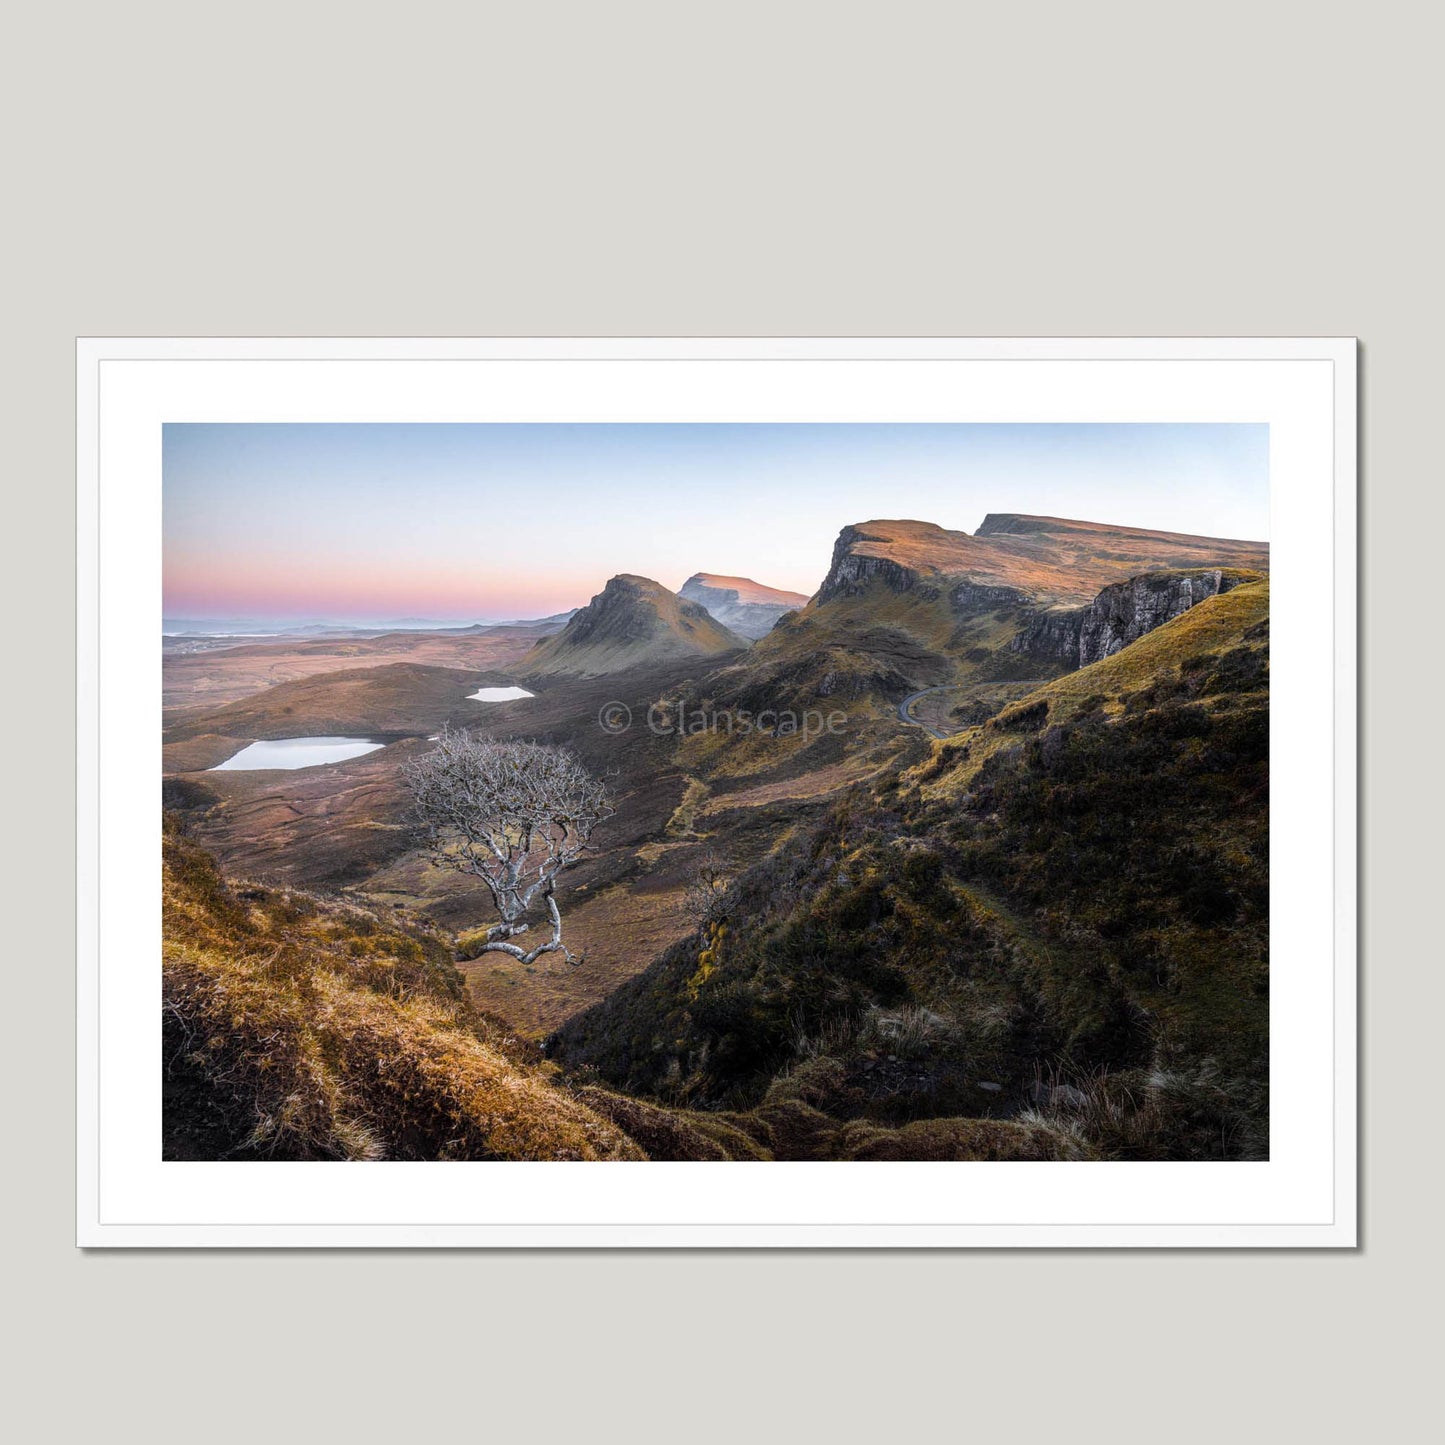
{"x": 705, "y": 891}
{"x": 513, "y": 815}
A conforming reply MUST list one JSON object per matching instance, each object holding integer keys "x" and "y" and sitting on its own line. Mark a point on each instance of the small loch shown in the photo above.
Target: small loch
{"x": 499, "y": 694}
{"x": 296, "y": 753}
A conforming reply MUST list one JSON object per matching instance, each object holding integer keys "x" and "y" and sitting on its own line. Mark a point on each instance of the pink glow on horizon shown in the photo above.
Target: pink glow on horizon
{"x": 277, "y": 587}
{"x": 497, "y": 520}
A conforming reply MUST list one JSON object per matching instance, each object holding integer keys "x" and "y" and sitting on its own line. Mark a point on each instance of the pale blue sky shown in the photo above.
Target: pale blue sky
{"x": 471, "y": 521}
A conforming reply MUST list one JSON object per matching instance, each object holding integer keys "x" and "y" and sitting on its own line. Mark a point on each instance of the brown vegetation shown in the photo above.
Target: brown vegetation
{"x": 300, "y": 1029}
{"x": 901, "y": 940}
{"x": 207, "y": 679}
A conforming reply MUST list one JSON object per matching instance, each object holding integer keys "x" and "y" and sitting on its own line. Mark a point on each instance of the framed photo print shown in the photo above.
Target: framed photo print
{"x": 717, "y": 792}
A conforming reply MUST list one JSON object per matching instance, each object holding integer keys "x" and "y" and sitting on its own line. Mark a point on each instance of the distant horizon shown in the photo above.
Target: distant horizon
{"x": 177, "y": 626}
{"x": 385, "y": 524}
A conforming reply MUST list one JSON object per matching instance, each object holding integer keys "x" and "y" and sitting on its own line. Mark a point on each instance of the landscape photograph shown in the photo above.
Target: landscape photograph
{"x": 715, "y": 792}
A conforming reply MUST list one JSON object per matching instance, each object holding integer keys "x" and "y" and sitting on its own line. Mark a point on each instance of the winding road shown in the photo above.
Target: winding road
{"x": 905, "y": 709}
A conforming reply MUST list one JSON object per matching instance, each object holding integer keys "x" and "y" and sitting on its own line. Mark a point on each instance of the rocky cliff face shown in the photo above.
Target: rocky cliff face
{"x": 743, "y": 606}
{"x": 1050, "y": 561}
{"x": 1121, "y": 614}
{"x": 912, "y": 604}
{"x": 851, "y": 571}
{"x": 969, "y": 595}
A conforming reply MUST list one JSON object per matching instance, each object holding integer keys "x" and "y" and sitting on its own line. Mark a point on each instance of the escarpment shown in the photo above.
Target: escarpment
{"x": 908, "y": 605}
{"x": 853, "y": 568}
{"x": 1121, "y": 614}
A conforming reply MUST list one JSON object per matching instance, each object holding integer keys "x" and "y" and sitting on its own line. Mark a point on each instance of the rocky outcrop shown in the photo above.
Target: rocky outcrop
{"x": 968, "y": 596}
{"x": 851, "y": 571}
{"x": 1052, "y": 636}
{"x": 1121, "y": 614}
{"x": 743, "y": 606}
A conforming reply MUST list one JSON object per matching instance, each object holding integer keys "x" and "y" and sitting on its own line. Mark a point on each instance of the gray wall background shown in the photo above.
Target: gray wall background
{"x": 738, "y": 169}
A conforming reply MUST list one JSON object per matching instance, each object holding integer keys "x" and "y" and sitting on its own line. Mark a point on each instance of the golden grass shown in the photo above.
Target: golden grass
{"x": 680, "y": 825}
{"x": 674, "y": 1134}
{"x": 322, "y": 1031}
{"x": 816, "y": 784}
{"x": 302, "y": 1029}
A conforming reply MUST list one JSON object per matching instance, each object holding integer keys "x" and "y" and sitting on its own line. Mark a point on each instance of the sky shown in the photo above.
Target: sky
{"x": 304, "y": 523}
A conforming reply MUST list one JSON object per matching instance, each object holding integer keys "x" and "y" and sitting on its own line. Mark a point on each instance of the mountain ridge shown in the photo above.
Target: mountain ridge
{"x": 1050, "y": 561}
{"x": 909, "y": 605}
{"x": 633, "y": 621}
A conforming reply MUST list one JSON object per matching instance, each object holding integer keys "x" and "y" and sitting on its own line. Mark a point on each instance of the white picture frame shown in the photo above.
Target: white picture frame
{"x": 1303, "y": 1196}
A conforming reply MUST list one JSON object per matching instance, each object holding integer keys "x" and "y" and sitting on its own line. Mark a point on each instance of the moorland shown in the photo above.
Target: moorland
{"x": 963, "y": 857}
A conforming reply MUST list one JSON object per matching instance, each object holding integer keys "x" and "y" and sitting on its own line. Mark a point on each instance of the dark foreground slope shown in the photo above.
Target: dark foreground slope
{"x": 1060, "y": 918}
{"x": 295, "y": 1028}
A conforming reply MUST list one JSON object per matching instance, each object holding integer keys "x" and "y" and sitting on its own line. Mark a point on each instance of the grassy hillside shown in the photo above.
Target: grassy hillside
{"x": 1059, "y": 920}
{"x": 874, "y": 646}
{"x": 298, "y": 1029}
{"x": 1235, "y": 623}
